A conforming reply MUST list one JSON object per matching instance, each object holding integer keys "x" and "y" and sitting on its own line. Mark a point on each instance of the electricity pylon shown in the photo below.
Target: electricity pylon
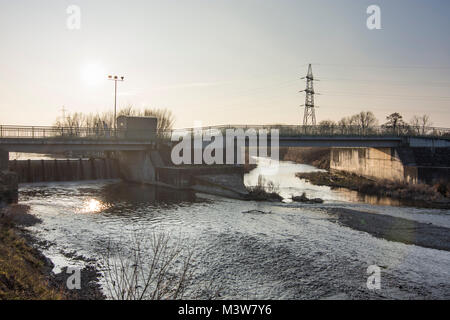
{"x": 309, "y": 117}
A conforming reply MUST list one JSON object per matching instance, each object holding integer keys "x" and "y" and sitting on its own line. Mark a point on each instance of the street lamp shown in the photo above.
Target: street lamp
{"x": 115, "y": 79}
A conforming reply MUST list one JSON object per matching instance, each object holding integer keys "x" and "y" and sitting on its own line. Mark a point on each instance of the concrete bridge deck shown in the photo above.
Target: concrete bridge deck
{"x": 54, "y": 140}
{"x": 52, "y": 145}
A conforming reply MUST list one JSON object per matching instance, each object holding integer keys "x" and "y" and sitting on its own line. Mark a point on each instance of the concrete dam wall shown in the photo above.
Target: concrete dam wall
{"x": 64, "y": 170}
{"x": 412, "y": 165}
{"x": 380, "y": 163}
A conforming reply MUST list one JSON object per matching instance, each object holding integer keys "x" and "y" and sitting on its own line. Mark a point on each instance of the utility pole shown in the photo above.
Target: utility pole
{"x": 115, "y": 79}
{"x": 309, "y": 117}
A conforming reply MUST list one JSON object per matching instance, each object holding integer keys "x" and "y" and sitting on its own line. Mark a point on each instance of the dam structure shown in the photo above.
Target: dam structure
{"x": 137, "y": 152}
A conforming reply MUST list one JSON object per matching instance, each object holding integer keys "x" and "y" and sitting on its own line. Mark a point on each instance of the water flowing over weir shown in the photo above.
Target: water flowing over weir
{"x": 64, "y": 170}
{"x": 247, "y": 249}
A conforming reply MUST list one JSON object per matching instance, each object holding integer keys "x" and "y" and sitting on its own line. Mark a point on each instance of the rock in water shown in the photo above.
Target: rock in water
{"x": 304, "y": 199}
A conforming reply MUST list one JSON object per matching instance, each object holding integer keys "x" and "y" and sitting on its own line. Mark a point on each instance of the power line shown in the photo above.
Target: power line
{"x": 343, "y": 93}
{"x": 381, "y": 66}
{"x": 391, "y": 82}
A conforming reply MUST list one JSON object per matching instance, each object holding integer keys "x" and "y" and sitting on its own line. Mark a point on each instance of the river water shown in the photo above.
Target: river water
{"x": 254, "y": 250}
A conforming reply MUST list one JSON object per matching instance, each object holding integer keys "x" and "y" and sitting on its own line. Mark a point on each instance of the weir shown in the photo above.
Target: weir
{"x": 64, "y": 170}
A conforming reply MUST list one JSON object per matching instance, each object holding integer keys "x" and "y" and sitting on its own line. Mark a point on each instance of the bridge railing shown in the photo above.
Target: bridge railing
{"x": 39, "y": 132}
{"x": 43, "y": 132}
{"x": 318, "y": 130}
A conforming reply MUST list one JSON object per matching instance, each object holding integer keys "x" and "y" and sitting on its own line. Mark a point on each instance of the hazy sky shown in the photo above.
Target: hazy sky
{"x": 224, "y": 61}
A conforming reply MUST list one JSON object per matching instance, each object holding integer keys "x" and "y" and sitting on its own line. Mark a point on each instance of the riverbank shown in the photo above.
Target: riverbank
{"x": 420, "y": 195}
{"x": 394, "y": 228}
{"x": 25, "y": 273}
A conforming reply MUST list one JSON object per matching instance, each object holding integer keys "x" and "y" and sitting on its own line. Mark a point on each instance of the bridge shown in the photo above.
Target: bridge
{"x": 32, "y": 139}
{"x": 377, "y": 151}
{"x": 41, "y": 139}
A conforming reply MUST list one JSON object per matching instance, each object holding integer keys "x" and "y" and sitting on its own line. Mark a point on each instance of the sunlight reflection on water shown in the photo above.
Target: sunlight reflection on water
{"x": 92, "y": 206}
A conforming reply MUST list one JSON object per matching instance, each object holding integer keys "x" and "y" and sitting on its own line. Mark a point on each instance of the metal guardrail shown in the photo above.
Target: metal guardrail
{"x": 40, "y": 132}
{"x": 293, "y": 130}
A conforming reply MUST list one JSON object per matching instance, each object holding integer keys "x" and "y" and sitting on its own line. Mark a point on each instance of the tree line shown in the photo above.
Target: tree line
{"x": 105, "y": 120}
{"x": 365, "y": 122}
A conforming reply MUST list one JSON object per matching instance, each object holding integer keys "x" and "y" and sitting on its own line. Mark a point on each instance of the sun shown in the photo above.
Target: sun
{"x": 92, "y": 74}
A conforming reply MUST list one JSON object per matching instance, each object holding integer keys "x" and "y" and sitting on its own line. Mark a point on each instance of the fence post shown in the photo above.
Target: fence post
{"x": 32, "y": 132}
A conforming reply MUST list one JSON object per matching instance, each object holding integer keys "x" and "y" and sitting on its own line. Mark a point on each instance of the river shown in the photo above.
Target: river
{"x": 249, "y": 250}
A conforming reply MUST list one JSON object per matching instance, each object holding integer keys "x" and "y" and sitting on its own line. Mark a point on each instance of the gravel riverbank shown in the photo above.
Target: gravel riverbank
{"x": 394, "y": 228}
{"x": 25, "y": 272}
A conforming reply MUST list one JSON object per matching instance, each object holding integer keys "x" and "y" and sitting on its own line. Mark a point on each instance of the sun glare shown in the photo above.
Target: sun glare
{"x": 92, "y": 206}
{"x": 92, "y": 74}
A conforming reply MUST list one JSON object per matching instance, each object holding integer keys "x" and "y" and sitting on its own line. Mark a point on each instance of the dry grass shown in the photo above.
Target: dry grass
{"x": 401, "y": 190}
{"x": 443, "y": 188}
{"x": 22, "y": 268}
{"x": 385, "y": 188}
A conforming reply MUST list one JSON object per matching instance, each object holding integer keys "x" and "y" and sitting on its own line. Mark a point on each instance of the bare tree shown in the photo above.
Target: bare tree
{"x": 166, "y": 120}
{"x": 105, "y": 120}
{"x": 327, "y": 126}
{"x": 154, "y": 268}
{"x": 129, "y": 111}
{"x": 71, "y": 124}
{"x": 420, "y": 124}
{"x": 365, "y": 120}
{"x": 347, "y": 124}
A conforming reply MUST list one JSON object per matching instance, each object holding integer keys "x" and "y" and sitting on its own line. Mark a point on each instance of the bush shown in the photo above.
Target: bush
{"x": 264, "y": 191}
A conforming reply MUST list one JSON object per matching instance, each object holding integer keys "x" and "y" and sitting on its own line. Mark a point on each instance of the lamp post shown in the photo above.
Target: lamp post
{"x": 115, "y": 79}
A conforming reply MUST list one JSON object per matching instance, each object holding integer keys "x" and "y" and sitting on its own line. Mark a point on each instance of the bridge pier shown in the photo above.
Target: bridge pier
{"x": 403, "y": 164}
{"x": 8, "y": 181}
{"x": 4, "y": 160}
{"x": 137, "y": 166}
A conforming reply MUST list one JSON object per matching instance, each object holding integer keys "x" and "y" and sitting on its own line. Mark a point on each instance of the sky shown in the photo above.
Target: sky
{"x": 224, "y": 61}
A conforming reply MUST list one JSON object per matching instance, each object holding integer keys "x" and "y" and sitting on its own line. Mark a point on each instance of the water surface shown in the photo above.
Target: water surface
{"x": 279, "y": 250}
